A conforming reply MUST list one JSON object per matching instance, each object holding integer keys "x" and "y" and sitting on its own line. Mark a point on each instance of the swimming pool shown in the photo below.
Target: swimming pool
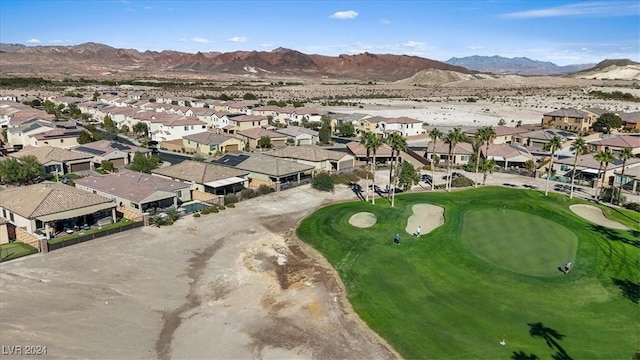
{"x": 194, "y": 206}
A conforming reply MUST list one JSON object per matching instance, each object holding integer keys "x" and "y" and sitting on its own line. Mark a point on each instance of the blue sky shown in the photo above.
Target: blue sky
{"x": 564, "y": 32}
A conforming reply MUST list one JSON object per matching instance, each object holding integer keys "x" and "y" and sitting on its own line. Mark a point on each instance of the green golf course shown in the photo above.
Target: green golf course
{"x": 490, "y": 274}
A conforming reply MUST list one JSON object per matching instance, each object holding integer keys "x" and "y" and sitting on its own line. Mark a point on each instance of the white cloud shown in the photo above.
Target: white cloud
{"x": 238, "y": 39}
{"x": 596, "y": 8}
{"x": 33, "y": 41}
{"x": 475, "y": 47}
{"x": 200, "y": 40}
{"x": 344, "y": 15}
{"x": 414, "y": 45}
{"x": 385, "y": 21}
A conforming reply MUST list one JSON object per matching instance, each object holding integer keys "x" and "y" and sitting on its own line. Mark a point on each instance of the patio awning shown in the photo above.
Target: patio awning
{"x": 225, "y": 182}
{"x": 590, "y": 171}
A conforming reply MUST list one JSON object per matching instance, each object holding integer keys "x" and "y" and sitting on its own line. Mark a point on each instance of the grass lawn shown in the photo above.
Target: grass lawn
{"x": 15, "y": 250}
{"x": 455, "y": 293}
{"x": 93, "y": 230}
{"x": 518, "y": 241}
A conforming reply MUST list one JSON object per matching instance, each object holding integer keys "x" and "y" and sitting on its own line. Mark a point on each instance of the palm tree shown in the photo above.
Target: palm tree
{"x": 554, "y": 144}
{"x": 605, "y": 157}
{"x": 625, "y": 154}
{"x": 487, "y": 166}
{"x": 483, "y": 135}
{"x": 372, "y": 142}
{"x": 398, "y": 144}
{"x": 453, "y": 137}
{"x": 579, "y": 147}
{"x": 434, "y": 135}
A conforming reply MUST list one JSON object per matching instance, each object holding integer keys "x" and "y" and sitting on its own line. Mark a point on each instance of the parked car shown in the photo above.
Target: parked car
{"x": 427, "y": 178}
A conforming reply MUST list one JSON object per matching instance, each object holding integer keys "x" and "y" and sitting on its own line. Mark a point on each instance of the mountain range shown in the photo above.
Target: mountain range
{"x": 515, "y": 66}
{"x": 98, "y": 60}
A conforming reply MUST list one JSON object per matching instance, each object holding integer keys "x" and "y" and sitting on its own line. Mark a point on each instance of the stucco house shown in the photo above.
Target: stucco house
{"x": 630, "y": 121}
{"x": 382, "y": 156}
{"x": 252, "y": 136}
{"x": 205, "y": 177}
{"x": 241, "y": 122}
{"x": 535, "y": 140}
{"x": 105, "y": 150}
{"x": 507, "y": 155}
{"x": 403, "y": 125}
{"x": 43, "y": 210}
{"x": 300, "y": 135}
{"x": 267, "y": 170}
{"x": 617, "y": 143}
{"x": 321, "y": 159}
{"x": 569, "y": 119}
{"x": 57, "y": 161}
{"x": 588, "y": 169}
{"x": 135, "y": 191}
{"x": 178, "y": 128}
{"x": 504, "y": 134}
{"x": 208, "y": 143}
{"x": 463, "y": 152}
{"x": 38, "y": 132}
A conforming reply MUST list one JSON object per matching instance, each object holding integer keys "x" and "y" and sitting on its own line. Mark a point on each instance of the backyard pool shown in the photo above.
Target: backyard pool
{"x": 193, "y": 206}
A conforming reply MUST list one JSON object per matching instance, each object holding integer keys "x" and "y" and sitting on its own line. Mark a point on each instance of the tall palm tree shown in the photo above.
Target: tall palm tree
{"x": 554, "y": 144}
{"x": 434, "y": 135}
{"x": 363, "y": 141}
{"x": 398, "y": 144}
{"x": 372, "y": 142}
{"x": 483, "y": 135}
{"x": 579, "y": 147}
{"x": 605, "y": 157}
{"x": 453, "y": 137}
{"x": 487, "y": 166}
{"x": 625, "y": 154}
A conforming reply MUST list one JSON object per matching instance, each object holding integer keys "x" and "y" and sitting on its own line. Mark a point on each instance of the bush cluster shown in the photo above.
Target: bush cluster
{"x": 322, "y": 182}
{"x": 346, "y": 178}
{"x": 633, "y": 206}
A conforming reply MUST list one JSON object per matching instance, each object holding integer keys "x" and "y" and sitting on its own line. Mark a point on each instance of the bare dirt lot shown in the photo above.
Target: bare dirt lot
{"x": 237, "y": 284}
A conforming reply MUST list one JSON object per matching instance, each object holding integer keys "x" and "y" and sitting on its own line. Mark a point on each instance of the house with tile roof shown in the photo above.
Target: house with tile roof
{"x": 206, "y": 177}
{"x": 267, "y": 170}
{"x": 403, "y": 125}
{"x": 617, "y": 143}
{"x": 630, "y": 121}
{"x": 208, "y": 143}
{"x": 41, "y": 211}
{"x": 56, "y": 161}
{"x": 631, "y": 179}
{"x": 569, "y": 119}
{"x": 504, "y": 134}
{"x": 320, "y": 158}
{"x": 300, "y": 135}
{"x": 590, "y": 171}
{"x": 240, "y": 122}
{"x": 383, "y": 153}
{"x": 463, "y": 152}
{"x": 252, "y": 136}
{"x": 135, "y": 191}
{"x": 507, "y": 155}
{"x": 535, "y": 140}
{"x": 118, "y": 154}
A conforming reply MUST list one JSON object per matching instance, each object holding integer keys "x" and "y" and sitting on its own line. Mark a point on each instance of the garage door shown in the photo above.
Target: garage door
{"x": 231, "y": 147}
{"x": 81, "y": 166}
{"x": 117, "y": 162}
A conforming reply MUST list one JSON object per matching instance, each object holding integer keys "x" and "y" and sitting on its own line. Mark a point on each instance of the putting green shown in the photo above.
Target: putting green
{"x": 518, "y": 241}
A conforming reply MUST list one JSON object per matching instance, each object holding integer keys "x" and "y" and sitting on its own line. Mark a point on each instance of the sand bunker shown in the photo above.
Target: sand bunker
{"x": 595, "y": 215}
{"x": 427, "y": 216}
{"x": 363, "y": 219}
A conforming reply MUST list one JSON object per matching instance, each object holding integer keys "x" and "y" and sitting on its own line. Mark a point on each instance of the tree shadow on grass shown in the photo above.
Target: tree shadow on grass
{"x": 629, "y": 289}
{"x": 615, "y": 235}
{"x": 551, "y": 337}
{"x": 521, "y": 355}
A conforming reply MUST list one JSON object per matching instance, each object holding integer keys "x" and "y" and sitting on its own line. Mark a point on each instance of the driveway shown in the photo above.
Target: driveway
{"x": 237, "y": 284}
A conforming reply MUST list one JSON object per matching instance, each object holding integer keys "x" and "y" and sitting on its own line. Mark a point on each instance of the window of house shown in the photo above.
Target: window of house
{"x": 179, "y": 193}
{"x": 186, "y": 128}
{"x": 11, "y": 217}
{"x": 135, "y": 206}
{"x": 4, "y": 213}
{"x": 61, "y": 140}
{"x": 564, "y": 168}
{"x": 39, "y": 224}
{"x": 464, "y": 158}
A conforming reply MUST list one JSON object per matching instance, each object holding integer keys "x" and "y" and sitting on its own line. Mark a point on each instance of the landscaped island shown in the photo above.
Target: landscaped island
{"x": 490, "y": 282}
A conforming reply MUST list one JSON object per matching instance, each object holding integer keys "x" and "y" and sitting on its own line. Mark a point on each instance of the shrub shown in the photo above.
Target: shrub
{"x": 265, "y": 189}
{"x": 633, "y": 206}
{"x": 609, "y": 193}
{"x": 196, "y": 215}
{"x": 232, "y": 205}
{"x": 214, "y": 210}
{"x": 220, "y": 208}
{"x": 230, "y": 199}
{"x": 206, "y": 211}
{"x": 322, "y": 182}
{"x": 346, "y": 178}
{"x": 248, "y": 193}
{"x": 461, "y": 182}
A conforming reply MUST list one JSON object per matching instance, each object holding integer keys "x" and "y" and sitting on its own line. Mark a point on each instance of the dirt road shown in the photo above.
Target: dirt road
{"x": 237, "y": 284}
